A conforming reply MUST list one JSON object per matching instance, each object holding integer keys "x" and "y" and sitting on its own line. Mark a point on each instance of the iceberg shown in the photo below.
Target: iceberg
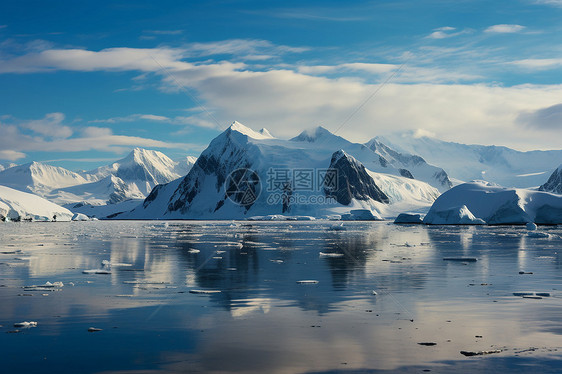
{"x": 480, "y": 202}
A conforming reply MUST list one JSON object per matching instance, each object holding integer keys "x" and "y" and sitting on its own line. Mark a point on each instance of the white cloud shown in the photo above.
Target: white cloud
{"x": 288, "y": 99}
{"x": 538, "y": 63}
{"x": 15, "y": 140}
{"x": 445, "y": 32}
{"x": 505, "y": 29}
{"x": 556, "y": 3}
{"x": 8, "y": 154}
{"x": 132, "y": 118}
{"x": 49, "y": 126}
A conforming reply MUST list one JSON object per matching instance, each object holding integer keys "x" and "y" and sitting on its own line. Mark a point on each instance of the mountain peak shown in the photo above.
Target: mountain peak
{"x": 244, "y": 130}
{"x": 311, "y": 135}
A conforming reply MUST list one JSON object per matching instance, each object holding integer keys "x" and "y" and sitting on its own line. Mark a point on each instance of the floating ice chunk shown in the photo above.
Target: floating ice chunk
{"x": 327, "y": 254}
{"x": 193, "y": 250}
{"x": 96, "y": 271}
{"x": 537, "y": 234}
{"x": 480, "y": 353}
{"x": 48, "y": 286}
{"x": 204, "y": 291}
{"x": 120, "y": 264}
{"x": 543, "y": 294}
{"x": 531, "y": 226}
{"x": 338, "y": 227}
{"x": 523, "y": 293}
{"x": 462, "y": 259}
{"x": 93, "y": 329}
{"x": 307, "y": 281}
{"x": 408, "y": 218}
{"x": 458, "y": 215}
{"x": 26, "y": 324}
{"x": 374, "y": 292}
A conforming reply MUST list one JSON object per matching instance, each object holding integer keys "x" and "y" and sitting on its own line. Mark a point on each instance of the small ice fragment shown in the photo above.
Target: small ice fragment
{"x": 307, "y": 281}
{"x": 26, "y": 324}
{"x": 523, "y": 294}
{"x": 525, "y": 272}
{"x": 463, "y": 259}
{"x": 536, "y": 234}
{"x": 193, "y": 250}
{"x": 93, "y": 329}
{"x": 328, "y": 254}
{"x": 543, "y": 294}
{"x": 204, "y": 291}
{"x": 480, "y": 353}
{"x": 96, "y": 271}
{"x": 531, "y": 226}
{"x": 532, "y": 297}
{"x": 428, "y": 344}
{"x": 338, "y": 227}
{"x": 105, "y": 263}
{"x": 375, "y": 293}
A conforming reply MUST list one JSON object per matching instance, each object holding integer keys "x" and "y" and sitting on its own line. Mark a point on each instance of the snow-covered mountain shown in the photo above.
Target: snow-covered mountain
{"x": 144, "y": 168}
{"x": 410, "y": 166}
{"x": 16, "y": 205}
{"x": 40, "y": 178}
{"x": 501, "y": 165}
{"x": 554, "y": 183}
{"x": 245, "y": 173}
{"x": 131, "y": 178}
{"x": 7, "y": 165}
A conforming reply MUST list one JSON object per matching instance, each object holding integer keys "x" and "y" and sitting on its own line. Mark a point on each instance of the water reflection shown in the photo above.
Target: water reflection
{"x": 263, "y": 320}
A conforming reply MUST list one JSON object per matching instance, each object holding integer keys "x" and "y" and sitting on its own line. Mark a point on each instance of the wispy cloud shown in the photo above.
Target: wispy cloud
{"x": 11, "y": 155}
{"x": 20, "y": 136}
{"x": 556, "y": 3}
{"x": 445, "y": 32}
{"x": 505, "y": 29}
{"x": 538, "y": 63}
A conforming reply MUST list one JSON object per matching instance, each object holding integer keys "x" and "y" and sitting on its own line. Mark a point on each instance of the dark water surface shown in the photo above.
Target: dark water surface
{"x": 263, "y": 320}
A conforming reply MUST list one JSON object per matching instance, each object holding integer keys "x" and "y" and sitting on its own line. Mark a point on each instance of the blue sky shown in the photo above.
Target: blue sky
{"x": 83, "y": 82}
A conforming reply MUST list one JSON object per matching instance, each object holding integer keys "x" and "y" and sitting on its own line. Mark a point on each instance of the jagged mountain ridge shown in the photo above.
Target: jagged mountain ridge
{"x": 462, "y": 162}
{"x": 132, "y": 177}
{"x": 39, "y": 178}
{"x": 202, "y": 193}
{"x": 554, "y": 183}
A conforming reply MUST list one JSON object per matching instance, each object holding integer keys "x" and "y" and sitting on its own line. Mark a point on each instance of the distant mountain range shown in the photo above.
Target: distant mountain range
{"x": 462, "y": 162}
{"x": 131, "y": 178}
{"x": 245, "y": 173}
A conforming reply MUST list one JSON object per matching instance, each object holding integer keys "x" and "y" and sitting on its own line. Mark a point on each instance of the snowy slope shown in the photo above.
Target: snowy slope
{"x": 379, "y": 158}
{"x": 7, "y": 165}
{"x": 462, "y": 162}
{"x": 16, "y": 204}
{"x": 202, "y": 193}
{"x": 495, "y": 205}
{"x": 410, "y": 165}
{"x": 554, "y": 183}
{"x": 109, "y": 190}
{"x": 39, "y": 178}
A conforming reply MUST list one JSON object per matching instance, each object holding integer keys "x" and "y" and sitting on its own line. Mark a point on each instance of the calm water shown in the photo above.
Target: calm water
{"x": 262, "y": 320}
